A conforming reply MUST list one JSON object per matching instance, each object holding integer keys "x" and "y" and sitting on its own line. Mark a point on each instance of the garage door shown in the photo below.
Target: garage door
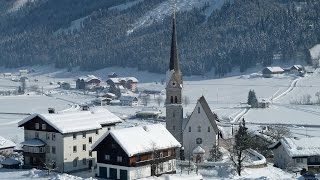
{"x": 123, "y": 175}
{"x": 113, "y": 173}
{"x": 103, "y": 172}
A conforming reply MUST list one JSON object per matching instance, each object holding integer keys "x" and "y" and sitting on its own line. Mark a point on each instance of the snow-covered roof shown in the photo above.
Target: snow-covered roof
{"x": 275, "y": 69}
{"x": 296, "y": 66}
{"x": 198, "y": 150}
{"x": 149, "y": 110}
{"x": 5, "y": 143}
{"x": 88, "y": 78}
{"x": 119, "y": 79}
{"x": 300, "y": 147}
{"x": 142, "y": 139}
{"x": 75, "y": 119}
{"x": 33, "y": 143}
{"x": 315, "y": 52}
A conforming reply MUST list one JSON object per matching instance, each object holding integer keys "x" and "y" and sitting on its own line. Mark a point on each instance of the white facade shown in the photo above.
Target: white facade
{"x": 138, "y": 172}
{"x": 199, "y": 132}
{"x": 61, "y": 148}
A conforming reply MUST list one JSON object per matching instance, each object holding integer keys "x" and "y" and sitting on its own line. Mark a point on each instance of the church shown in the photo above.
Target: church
{"x": 197, "y": 131}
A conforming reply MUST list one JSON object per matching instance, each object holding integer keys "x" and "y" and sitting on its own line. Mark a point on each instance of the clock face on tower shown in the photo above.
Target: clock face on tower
{"x": 173, "y": 83}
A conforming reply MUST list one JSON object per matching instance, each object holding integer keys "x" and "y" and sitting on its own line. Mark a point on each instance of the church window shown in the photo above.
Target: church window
{"x": 189, "y": 128}
{"x": 208, "y": 129}
{"x": 171, "y": 99}
{"x": 174, "y": 127}
{"x": 175, "y": 99}
{"x": 199, "y": 128}
{"x": 198, "y": 109}
{"x": 174, "y": 114}
{"x": 199, "y": 141}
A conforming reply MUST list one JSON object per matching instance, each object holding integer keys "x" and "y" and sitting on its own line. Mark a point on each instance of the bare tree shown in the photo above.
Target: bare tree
{"x": 34, "y": 88}
{"x": 238, "y": 148}
{"x": 159, "y": 100}
{"x": 278, "y": 132}
{"x": 318, "y": 96}
{"x": 186, "y": 100}
{"x": 145, "y": 99}
{"x": 50, "y": 166}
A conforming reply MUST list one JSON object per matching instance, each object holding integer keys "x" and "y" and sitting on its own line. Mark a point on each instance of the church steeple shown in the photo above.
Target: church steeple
{"x": 174, "y": 59}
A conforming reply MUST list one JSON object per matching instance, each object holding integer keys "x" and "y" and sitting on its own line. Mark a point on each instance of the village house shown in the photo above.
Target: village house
{"x": 148, "y": 112}
{"x": 200, "y": 129}
{"x": 23, "y": 72}
{"x": 128, "y": 101}
{"x": 297, "y": 153}
{"x": 270, "y": 71}
{"x": 5, "y": 75}
{"x": 127, "y": 82}
{"x": 87, "y": 82}
{"x": 136, "y": 152}
{"x": 6, "y": 146}
{"x": 297, "y": 69}
{"x": 65, "y": 137}
{"x": 112, "y": 75}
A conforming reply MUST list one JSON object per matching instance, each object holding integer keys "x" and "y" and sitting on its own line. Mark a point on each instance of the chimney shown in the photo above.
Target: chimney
{"x": 51, "y": 110}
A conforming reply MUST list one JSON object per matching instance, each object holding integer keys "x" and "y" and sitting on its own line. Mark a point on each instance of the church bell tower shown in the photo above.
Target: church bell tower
{"x": 173, "y": 103}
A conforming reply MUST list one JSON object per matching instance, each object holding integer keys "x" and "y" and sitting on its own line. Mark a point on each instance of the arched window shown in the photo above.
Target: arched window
{"x": 189, "y": 128}
{"x": 171, "y": 99}
{"x": 208, "y": 129}
{"x": 198, "y": 109}
{"x": 175, "y": 99}
{"x": 199, "y": 128}
{"x": 173, "y": 114}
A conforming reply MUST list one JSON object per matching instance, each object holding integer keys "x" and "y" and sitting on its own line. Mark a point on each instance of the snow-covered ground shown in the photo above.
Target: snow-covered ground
{"x": 225, "y": 96}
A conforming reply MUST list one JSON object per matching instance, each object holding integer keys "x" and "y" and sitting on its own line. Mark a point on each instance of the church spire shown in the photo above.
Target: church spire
{"x": 174, "y": 59}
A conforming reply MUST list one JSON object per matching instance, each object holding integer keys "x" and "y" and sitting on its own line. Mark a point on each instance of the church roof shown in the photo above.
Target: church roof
{"x": 211, "y": 116}
{"x": 174, "y": 60}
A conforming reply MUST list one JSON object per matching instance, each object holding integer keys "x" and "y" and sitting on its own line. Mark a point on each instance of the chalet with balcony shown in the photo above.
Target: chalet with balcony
{"x": 297, "y": 153}
{"x": 65, "y": 137}
{"x": 87, "y": 82}
{"x": 136, "y": 152}
{"x": 127, "y": 82}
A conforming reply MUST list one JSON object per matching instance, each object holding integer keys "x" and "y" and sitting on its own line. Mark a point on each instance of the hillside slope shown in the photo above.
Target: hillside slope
{"x": 217, "y": 34}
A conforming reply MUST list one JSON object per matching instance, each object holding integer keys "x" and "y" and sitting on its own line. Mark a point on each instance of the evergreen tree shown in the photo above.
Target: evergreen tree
{"x": 215, "y": 154}
{"x": 252, "y": 99}
{"x": 241, "y": 144}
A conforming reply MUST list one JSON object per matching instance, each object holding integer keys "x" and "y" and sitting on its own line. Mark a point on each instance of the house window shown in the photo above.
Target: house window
{"x": 75, "y": 163}
{"x": 199, "y": 128}
{"x": 84, "y": 161}
{"x": 84, "y": 135}
{"x": 74, "y": 149}
{"x": 208, "y": 129}
{"x": 90, "y": 140}
{"x": 119, "y": 158}
{"x": 189, "y": 128}
{"x": 48, "y": 136}
{"x": 198, "y": 109}
{"x": 171, "y": 99}
{"x": 299, "y": 160}
{"x": 174, "y": 127}
{"x": 44, "y": 127}
{"x": 84, "y": 147}
{"x": 97, "y": 132}
{"x": 109, "y": 128}
{"x": 161, "y": 167}
{"x": 74, "y": 135}
{"x": 175, "y": 99}
{"x": 53, "y": 136}
{"x": 113, "y": 146}
{"x": 47, "y": 149}
{"x": 37, "y": 134}
{"x": 90, "y": 153}
{"x": 169, "y": 166}
{"x": 161, "y": 154}
{"x": 53, "y": 150}
{"x": 107, "y": 157}
{"x": 37, "y": 126}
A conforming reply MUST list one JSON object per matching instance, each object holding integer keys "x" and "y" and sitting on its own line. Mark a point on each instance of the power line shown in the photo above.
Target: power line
{"x": 249, "y": 85}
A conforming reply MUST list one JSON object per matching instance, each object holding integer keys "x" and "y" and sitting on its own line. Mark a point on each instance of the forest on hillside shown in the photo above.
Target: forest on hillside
{"x": 242, "y": 34}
